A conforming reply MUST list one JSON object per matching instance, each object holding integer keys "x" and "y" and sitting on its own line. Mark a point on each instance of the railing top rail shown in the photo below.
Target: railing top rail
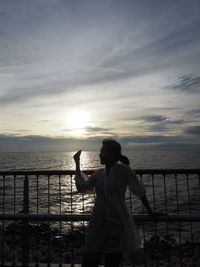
{"x": 86, "y": 217}
{"x": 89, "y": 171}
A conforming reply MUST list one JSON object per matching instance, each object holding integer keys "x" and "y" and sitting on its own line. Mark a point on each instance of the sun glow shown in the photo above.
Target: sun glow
{"x": 77, "y": 122}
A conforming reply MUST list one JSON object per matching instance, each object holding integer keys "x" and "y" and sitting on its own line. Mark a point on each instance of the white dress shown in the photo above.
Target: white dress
{"x": 119, "y": 178}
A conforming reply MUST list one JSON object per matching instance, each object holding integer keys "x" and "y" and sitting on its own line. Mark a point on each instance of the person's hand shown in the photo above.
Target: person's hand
{"x": 77, "y": 156}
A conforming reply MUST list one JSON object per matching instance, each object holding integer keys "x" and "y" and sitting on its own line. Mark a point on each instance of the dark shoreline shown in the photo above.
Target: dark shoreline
{"x": 48, "y": 244}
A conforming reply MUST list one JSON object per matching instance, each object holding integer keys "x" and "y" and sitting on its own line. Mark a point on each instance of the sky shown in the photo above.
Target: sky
{"x": 73, "y": 72}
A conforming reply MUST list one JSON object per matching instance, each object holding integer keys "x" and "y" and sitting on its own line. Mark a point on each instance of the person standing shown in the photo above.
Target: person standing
{"x": 111, "y": 230}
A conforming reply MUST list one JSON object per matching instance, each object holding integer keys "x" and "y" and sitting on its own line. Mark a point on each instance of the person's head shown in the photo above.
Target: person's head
{"x": 111, "y": 153}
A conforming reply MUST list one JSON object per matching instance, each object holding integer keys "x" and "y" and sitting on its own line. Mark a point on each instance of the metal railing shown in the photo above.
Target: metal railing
{"x": 30, "y": 198}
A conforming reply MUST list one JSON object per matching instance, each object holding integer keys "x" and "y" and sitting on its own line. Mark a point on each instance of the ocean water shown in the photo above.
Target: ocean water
{"x": 90, "y": 160}
{"x": 57, "y": 198}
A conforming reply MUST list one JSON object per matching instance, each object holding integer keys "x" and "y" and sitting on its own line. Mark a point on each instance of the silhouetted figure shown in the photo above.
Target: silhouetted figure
{"x": 111, "y": 230}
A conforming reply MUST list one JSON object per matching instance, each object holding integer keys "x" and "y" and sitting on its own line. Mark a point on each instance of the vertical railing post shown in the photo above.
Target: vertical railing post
{"x": 3, "y": 233}
{"x": 26, "y": 195}
{"x": 72, "y": 250}
{"x": 25, "y": 245}
{"x": 199, "y": 180}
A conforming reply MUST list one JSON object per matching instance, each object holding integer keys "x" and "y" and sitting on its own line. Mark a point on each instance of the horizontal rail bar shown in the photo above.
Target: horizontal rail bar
{"x": 72, "y": 172}
{"x": 86, "y": 217}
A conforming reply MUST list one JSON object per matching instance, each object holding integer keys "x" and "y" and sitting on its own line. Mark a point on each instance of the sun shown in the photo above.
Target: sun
{"x": 77, "y": 122}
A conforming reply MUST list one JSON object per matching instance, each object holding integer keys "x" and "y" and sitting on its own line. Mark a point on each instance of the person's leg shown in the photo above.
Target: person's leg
{"x": 113, "y": 259}
{"x": 90, "y": 259}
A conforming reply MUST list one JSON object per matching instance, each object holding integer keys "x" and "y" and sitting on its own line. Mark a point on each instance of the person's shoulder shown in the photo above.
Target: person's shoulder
{"x": 122, "y": 167}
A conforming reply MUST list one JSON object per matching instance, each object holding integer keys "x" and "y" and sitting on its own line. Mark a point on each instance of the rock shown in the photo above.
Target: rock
{"x": 43, "y": 259}
{"x": 159, "y": 256}
{"x": 163, "y": 263}
{"x": 187, "y": 262}
{"x": 139, "y": 256}
{"x": 44, "y": 250}
{"x": 6, "y": 249}
{"x": 154, "y": 239}
{"x": 197, "y": 251}
{"x": 175, "y": 261}
{"x": 67, "y": 256}
{"x": 76, "y": 252}
{"x": 157, "y": 250}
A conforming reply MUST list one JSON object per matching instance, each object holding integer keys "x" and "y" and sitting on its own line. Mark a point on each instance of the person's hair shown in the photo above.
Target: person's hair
{"x": 115, "y": 149}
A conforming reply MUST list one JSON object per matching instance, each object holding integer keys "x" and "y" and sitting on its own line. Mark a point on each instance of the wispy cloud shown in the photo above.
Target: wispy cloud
{"x": 160, "y": 123}
{"x": 111, "y": 58}
{"x": 194, "y": 130}
{"x": 195, "y": 112}
{"x": 187, "y": 83}
{"x": 98, "y": 129}
{"x": 89, "y": 130}
{"x": 161, "y": 119}
{"x": 153, "y": 118}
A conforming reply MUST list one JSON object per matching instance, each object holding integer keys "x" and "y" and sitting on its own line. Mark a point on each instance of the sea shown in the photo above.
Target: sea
{"x": 90, "y": 159}
{"x": 175, "y": 198}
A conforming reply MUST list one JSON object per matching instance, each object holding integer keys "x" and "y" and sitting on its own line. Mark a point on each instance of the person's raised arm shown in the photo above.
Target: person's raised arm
{"x": 77, "y": 162}
{"x": 82, "y": 185}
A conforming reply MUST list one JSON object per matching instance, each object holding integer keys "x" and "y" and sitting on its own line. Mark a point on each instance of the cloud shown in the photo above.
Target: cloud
{"x": 156, "y": 51}
{"x": 24, "y": 89}
{"x": 43, "y": 143}
{"x": 98, "y": 129}
{"x": 94, "y": 130}
{"x": 62, "y": 54}
{"x": 153, "y": 118}
{"x": 153, "y": 139}
{"x": 194, "y": 130}
{"x": 34, "y": 143}
{"x": 176, "y": 122}
{"x": 159, "y": 123}
{"x": 59, "y": 36}
{"x": 194, "y": 112}
{"x": 157, "y": 128}
{"x": 187, "y": 83}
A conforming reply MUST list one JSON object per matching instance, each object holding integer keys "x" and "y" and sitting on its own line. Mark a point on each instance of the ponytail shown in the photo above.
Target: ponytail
{"x": 124, "y": 160}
